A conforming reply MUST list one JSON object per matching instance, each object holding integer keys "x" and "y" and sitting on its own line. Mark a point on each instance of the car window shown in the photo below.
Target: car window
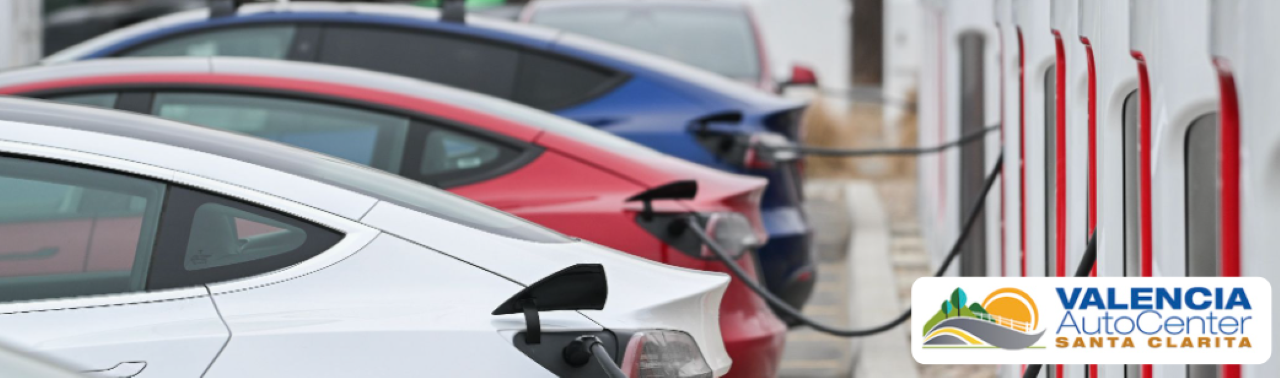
{"x": 555, "y": 124}
{"x": 303, "y": 163}
{"x": 270, "y": 41}
{"x": 210, "y": 238}
{"x": 715, "y": 39}
{"x": 70, "y": 231}
{"x": 101, "y": 100}
{"x": 361, "y": 136}
{"x": 472, "y": 65}
{"x": 448, "y": 152}
{"x": 551, "y": 83}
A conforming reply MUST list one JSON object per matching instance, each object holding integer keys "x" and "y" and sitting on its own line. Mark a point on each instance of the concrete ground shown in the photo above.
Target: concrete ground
{"x": 867, "y": 234}
{"x": 811, "y": 354}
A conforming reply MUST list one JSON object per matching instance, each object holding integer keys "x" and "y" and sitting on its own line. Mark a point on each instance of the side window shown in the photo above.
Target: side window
{"x": 472, "y": 65}
{"x": 550, "y": 83}
{"x": 270, "y": 41}
{"x": 208, "y": 238}
{"x": 449, "y": 155}
{"x": 70, "y": 231}
{"x": 101, "y": 100}
{"x": 361, "y": 136}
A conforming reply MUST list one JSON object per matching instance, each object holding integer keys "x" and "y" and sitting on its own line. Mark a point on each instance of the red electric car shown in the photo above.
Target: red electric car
{"x": 549, "y": 170}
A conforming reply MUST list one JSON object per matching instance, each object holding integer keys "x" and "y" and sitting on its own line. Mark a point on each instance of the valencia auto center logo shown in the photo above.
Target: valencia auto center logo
{"x": 1007, "y": 319}
{"x": 1095, "y": 320}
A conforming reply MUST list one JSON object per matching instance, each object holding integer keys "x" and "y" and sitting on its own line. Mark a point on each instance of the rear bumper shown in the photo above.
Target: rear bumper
{"x": 787, "y": 260}
{"x": 753, "y": 336}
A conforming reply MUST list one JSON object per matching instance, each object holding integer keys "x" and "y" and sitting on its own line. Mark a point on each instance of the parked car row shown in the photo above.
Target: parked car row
{"x": 1145, "y": 122}
{"x": 670, "y": 107}
{"x": 259, "y": 190}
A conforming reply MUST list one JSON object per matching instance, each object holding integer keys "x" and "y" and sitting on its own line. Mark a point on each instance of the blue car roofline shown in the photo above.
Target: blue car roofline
{"x": 323, "y": 17}
{"x": 708, "y": 97}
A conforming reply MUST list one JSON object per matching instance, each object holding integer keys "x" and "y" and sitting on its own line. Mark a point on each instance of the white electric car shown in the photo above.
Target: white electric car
{"x": 135, "y": 246}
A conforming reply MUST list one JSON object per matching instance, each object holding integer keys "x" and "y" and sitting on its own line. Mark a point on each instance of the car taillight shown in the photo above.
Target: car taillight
{"x": 664, "y": 354}
{"x": 731, "y": 231}
{"x": 766, "y": 150}
{"x": 758, "y": 150}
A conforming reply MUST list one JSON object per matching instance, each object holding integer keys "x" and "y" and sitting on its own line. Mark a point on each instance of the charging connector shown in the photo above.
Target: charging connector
{"x": 585, "y": 348}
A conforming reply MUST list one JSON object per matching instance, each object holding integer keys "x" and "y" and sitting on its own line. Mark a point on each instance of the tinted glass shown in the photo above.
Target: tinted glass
{"x": 70, "y": 231}
{"x": 209, "y": 238}
{"x": 1132, "y": 255}
{"x": 357, "y": 135}
{"x": 450, "y": 152}
{"x": 101, "y": 100}
{"x": 549, "y": 83}
{"x": 221, "y": 236}
{"x": 553, "y": 124}
{"x": 258, "y": 41}
{"x": 1050, "y": 170}
{"x": 306, "y": 164}
{"x": 472, "y": 65}
{"x": 1202, "y": 197}
{"x": 719, "y": 40}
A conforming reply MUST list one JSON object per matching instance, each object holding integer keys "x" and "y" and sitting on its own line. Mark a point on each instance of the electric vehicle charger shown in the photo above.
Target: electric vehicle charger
{"x": 1086, "y": 265}
{"x": 847, "y": 152}
{"x": 779, "y": 304}
{"x": 1082, "y": 270}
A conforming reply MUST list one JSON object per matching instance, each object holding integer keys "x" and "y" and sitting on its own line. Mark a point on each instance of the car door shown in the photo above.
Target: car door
{"x": 75, "y": 263}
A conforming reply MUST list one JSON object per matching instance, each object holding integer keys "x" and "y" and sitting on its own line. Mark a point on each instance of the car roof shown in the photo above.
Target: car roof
{"x": 709, "y": 88}
{"x": 702, "y": 4}
{"x": 275, "y": 156}
{"x": 606, "y": 151}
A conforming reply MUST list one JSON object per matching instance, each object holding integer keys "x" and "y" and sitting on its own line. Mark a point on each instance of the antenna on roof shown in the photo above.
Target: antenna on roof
{"x": 453, "y": 11}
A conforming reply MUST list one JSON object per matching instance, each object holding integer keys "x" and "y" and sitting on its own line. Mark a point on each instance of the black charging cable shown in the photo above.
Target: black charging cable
{"x": 862, "y": 152}
{"x": 781, "y": 305}
{"x": 584, "y": 349}
{"x": 859, "y": 96}
{"x": 1086, "y": 265}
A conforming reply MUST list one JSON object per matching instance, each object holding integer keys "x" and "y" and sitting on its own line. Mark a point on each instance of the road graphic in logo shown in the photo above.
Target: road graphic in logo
{"x": 1007, "y": 319}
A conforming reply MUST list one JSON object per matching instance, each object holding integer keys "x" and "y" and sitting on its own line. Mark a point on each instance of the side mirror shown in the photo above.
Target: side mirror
{"x": 801, "y": 76}
{"x": 579, "y": 287}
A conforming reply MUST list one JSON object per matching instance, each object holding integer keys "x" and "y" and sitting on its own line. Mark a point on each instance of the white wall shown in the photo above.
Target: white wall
{"x": 20, "y": 36}
{"x": 814, "y": 33}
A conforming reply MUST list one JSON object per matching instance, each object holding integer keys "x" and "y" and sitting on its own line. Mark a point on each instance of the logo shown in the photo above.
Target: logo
{"x": 1008, "y": 319}
{"x": 1091, "y": 320}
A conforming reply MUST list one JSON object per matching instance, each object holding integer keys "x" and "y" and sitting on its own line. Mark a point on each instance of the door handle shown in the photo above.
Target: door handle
{"x": 121, "y": 370}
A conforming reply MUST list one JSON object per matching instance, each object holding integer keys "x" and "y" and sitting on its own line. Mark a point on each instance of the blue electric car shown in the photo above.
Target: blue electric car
{"x": 671, "y": 107}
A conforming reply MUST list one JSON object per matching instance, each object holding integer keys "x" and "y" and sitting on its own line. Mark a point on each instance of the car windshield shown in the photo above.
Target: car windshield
{"x": 719, "y": 40}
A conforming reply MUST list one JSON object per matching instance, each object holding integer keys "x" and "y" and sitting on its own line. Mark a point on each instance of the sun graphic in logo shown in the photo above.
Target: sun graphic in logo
{"x": 1013, "y": 304}
{"x": 1005, "y": 319}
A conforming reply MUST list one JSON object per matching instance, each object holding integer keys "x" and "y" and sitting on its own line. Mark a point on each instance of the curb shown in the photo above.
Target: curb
{"x": 874, "y": 288}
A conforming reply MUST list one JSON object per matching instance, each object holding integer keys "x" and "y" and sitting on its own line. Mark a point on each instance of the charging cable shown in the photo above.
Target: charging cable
{"x": 791, "y": 311}
{"x": 861, "y": 152}
{"x": 1086, "y": 265}
{"x": 586, "y": 348}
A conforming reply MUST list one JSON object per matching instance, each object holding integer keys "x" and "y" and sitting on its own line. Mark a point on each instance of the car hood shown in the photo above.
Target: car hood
{"x": 643, "y": 294}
